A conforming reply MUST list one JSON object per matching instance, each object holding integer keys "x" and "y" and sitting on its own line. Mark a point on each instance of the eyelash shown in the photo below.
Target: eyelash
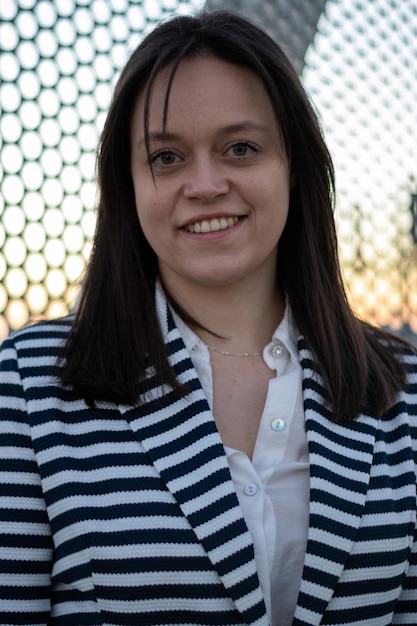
{"x": 160, "y": 153}
{"x": 240, "y": 142}
{"x": 243, "y": 142}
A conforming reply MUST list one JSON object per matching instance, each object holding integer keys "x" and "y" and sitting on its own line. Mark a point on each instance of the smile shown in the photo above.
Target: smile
{"x": 211, "y": 226}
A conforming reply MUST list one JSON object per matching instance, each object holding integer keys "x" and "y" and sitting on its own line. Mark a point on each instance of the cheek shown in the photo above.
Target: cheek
{"x": 279, "y": 201}
{"x": 153, "y": 218}
{"x": 146, "y": 203}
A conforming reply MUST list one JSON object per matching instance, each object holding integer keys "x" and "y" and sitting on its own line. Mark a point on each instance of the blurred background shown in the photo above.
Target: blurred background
{"x": 59, "y": 61}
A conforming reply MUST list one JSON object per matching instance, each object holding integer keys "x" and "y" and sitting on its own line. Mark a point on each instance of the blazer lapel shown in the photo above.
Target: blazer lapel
{"x": 180, "y": 436}
{"x": 340, "y": 463}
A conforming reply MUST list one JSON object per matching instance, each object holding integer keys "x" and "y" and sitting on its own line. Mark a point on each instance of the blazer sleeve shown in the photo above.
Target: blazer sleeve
{"x": 25, "y": 536}
{"x": 406, "y": 607}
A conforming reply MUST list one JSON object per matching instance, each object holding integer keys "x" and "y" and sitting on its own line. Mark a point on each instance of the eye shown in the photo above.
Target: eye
{"x": 164, "y": 157}
{"x": 242, "y": 149}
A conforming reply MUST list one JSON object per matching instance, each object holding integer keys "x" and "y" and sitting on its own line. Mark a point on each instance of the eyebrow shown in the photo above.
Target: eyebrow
{"x": 246, "y": 125}
{"x": 157, "y": 136}
{"x": 231, "y": 128}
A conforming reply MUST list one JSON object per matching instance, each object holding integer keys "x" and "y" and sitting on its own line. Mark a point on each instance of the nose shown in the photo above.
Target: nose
{"x": 206, "y": 180}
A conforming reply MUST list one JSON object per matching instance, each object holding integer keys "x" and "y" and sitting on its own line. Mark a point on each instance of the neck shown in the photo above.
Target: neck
{"x": 237, "y": 318}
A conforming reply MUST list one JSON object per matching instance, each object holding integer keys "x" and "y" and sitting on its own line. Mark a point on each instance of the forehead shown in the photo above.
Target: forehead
{"x": 204, "y": 85}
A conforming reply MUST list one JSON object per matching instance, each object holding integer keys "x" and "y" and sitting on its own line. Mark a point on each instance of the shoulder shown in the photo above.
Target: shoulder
{"x": 403, "y": 351}
{"x": 43, "y": 340}
{"x": 46, "y": 331}
{"x": 389, "y": 344}
{"x": 407, "y": 354}
{"x": 405, "y": 404}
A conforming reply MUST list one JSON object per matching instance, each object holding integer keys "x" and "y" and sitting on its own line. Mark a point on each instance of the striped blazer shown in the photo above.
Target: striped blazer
{"x": 121, "y": 515}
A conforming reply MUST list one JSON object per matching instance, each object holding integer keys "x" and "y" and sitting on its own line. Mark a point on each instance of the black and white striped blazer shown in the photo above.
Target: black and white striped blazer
{"x": 121, "y": 516}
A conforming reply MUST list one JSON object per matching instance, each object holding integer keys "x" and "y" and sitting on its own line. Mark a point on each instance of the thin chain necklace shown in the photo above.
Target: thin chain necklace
{"x": 225, "y": 353}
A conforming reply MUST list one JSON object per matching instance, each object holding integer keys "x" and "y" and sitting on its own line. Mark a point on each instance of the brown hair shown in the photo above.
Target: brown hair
{"x": 116, "y": 333}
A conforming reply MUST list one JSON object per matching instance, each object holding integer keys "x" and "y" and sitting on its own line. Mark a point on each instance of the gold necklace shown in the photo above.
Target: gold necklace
{"x": 225, "y": 353}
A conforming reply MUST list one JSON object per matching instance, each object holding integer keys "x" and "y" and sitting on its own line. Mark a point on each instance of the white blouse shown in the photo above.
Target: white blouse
{"x": 273, "y": 487}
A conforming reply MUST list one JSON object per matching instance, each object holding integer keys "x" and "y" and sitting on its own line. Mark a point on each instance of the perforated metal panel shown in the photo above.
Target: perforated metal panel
{"x": 292, "y": 23}
{"x": 59, "y": 61}
{"x": 358, "y": 60}
{"x": 361, "y": 71}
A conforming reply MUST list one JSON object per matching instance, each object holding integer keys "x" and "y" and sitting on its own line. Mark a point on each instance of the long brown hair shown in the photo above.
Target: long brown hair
{"x": 116, "y": 334}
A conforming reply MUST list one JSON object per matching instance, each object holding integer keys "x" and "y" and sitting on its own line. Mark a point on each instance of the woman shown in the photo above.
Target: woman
{"x": 214, "y": 438}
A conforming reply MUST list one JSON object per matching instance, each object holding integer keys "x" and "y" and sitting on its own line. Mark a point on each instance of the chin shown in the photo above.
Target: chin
{"x": 216, "y": 279}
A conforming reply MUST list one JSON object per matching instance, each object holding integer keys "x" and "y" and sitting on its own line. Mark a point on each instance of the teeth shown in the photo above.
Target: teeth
{"x": 211, "y": 226}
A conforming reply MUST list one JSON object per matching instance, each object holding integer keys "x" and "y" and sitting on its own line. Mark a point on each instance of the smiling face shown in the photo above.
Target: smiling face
{"x": 217, "y": 203}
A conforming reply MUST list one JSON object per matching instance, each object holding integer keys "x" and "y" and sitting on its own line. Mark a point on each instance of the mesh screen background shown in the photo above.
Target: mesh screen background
{"x": 361, "y": 71}
{"x": 59, "y": 62}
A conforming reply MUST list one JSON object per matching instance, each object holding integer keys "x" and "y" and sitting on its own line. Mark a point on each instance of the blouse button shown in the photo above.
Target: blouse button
{"x": 251, "y": 489}
{"x": 277, "y": 350}
{"x": 278, "y": 424}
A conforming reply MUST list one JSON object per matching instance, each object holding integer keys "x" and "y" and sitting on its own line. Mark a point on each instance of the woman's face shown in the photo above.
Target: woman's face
{"x": 218, "y": 202}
